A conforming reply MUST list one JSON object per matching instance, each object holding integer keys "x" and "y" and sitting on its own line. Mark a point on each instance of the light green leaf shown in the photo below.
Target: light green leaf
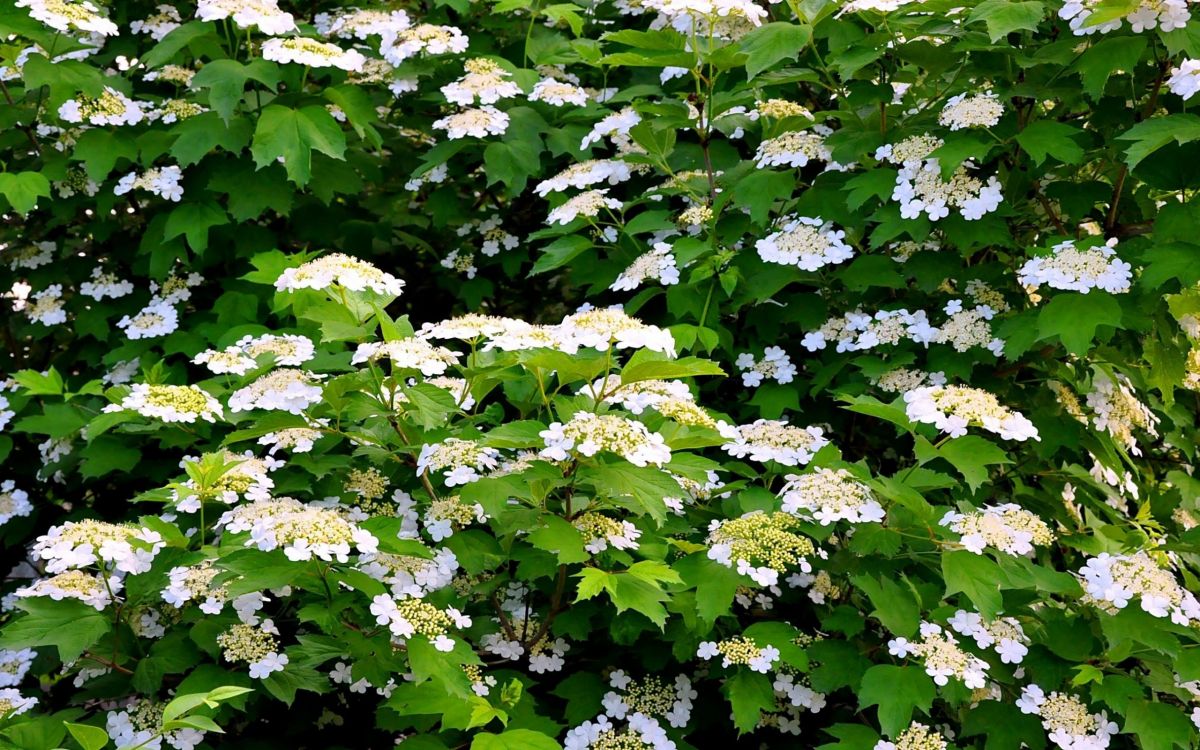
{"x": 292, "y": 135}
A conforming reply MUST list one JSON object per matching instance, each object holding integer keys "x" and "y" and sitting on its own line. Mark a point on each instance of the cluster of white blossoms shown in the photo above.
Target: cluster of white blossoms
{"x": 175, "y": 289}
{"x": 545, "y": 655}
{"x": 1185, "y": 79}
{"x": 585, "y": 174}
{"x": 859, "y": 331}
{"x": 971, "y": 111}
{"x": 588, "y": 434}
{"x": 1004, "y": 634}
{"x": 740, "y": 651}
{"x": 1008, "y": 528}
{"x": 461, "y": 461}
{"x": 942, "y": 656}
{"x": 793, "y": 149}
{"x": 775, "y": 365}
{"x": 587, "y": 204}
{"x": 408, "y": 354}
{"x": 410, "y": 576}
{"x": 1117, "y": 410}
{"x": 447, "y": 515}
{"x": 170, "y": 403}
{"x": 773, "y": 440}
{"x": 1114, "y": 580}
{"x": 284, "y": 389}
{"x": 809, "y": 243}
{"x": 763, "y": 546}
{"x": 483, "y": 80}
{"x": 658, "y": 264}
{"x": 70, "y": 15}
{"x": 140, "y": 724}
{"x": 477, "y": 122}
{"x": 408, "y": 617}
{"x": 1079, "y": 270}
{"x": 14, "y": 665}
{"x": 14, "y": 503}
{"x": 287, "y": 349}
{"x": 157, "y": 26}
{"x": 31, "y": 256}
{"x": 559, "y": 93}
{"x": 158, "y": 318}
{"x": 494, "y": 237}
{"x": 78, "y": 544}
{"x": 399, "y": 45}
{"x": 312, "y": 53}
{"x": 12, "y": 703}
{"x": 916, "y": 736}
{"x": 601, "y": 532}
{"x": 105, "y": 284}
{"x": 1167, "y": 15}
{"x": 47, "y": 307}
{"x": 93, "y": 590}
{"x": 672, "y": 399}
{"x": 641, "y": 733}
{"x": 921, "y": 189}
{"x": 609, "y": 327}
{"x": 1066, "y": 719}
{"x": 462, "y": 261}
{"x": 904, "y": 379}
{"x": 339, "y": 270}
{"x": 255, "y": 645}
{"x": 966, "y": 328}
{"x": 310, "y": 531}
{"x": 356, "y": 23}
{"x": 830, "y": 495}
{"x": 245, "y": 476}
{"x": 195, "y": 583}
{"x": 954, "y": 408}
{"x": 111, "y": 107}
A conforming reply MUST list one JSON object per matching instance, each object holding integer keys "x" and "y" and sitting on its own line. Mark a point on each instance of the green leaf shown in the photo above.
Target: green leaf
{"x": 1109, "y": 55}
{"x": 645, "y": 485}
{"x": 22, "y": 189}
{"x": 197, "y": 136}
{"x": 560, "y": 538}
{"x": 88, "y": 737}
{"x": 894, "y": 604}
{"x": 971, "y": 455}
{"x": 749, "y": 694}
{"x": 772, "y": 42}
{"x": 226, "y": 82}
{"x": 514, "y": 739}
{"x": 976, "y": 576}
{"x": 1004, "y": 16}
{"x": 645, "y": 368}
{"x": 1004, "y": 727}
{"x": 293, "y": 134}
{"x": 512, "y": 162}
{"x": 193, "y": 220}
{"x": 1151, "y": 135}
{"x": 1075, "y": 317}
{"x": 100, "y": 149}
{"x": 69, "y": 625}
{"x": 1049, "y": 138}
{"x": 1158, "y": 726}
{"x": 898, "y": 691}
{"x": 560, "y": 252}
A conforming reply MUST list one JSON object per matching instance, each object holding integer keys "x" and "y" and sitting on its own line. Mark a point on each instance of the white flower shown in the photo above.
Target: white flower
{"x": 411, "y": 353}
{"x": 1185, "y": 79}
{"x": 47, "y": 306}
{"x": 110, "y": 108}
{"x": 158, "y": 318}
{"x": 478, "y": 122}
{"x": 952, "y": 408}
{"x": 157, "y": 26}
{"x": 264, "y": 14}
{"x": 615, "y": 126}
{"x": 793, "y": 149}
{"x": 13, "y": 502}
{"x": 775, "y": 364}
{"x": 70, "y": 15}
{"x": 164, "y": 182}
{"x": 829, "y": 495}
{"x": 1117, "y": 579}
{"x": 400, "y": 45}
{"x": 1008, "y": 528}
{"x": 558, "y": 93}
{"x": 602, "y": 328}
{"x": 338, "y": 269}
{"x": 587, "y": 204}
{"x": 658, "y": 265}
{"x": 170, "y": 403}
{"x": 585, "y": 174}
{"x": 1079, "y": 270}
{"x": 484, "y": 81}
{"x": 461, "y": 460}
{"x": 312, "y": 53}
{"x": 284, "y": 389}
{"x": 773, "y": 440}
{"x": 1167, "y": 15}
{"x": 105, "y": 285}
{"x": 589, "y": 434}
{"x": 354, "y": 23}
{"x": 975, "y": 111}
{"x": 805, "y": 242}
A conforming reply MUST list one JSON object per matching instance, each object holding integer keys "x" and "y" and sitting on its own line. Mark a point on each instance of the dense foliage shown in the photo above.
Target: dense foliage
{"x": 631, "y": 374}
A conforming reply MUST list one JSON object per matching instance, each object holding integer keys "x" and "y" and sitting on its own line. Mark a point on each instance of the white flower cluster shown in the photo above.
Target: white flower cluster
{"x": 262, "y": 14}
{"x": 257, "y": 646}
{"x": 1167, "y": 15}
{"x": 140, "y": 725}
{"x": 14, "y": 502}
{"x": 312, "y": 53}
{"x": 794, "y": 149}
{"x": 650, "y": 696}
{"x": 401, "y": 44}
{"x": 775, "y": 365}
{"x": 444, "y": 516}
{"x": 1008, "y": 528}
{"x": 284, "y": 389}
{"x": 78, "y": 544}
{"x": 410, "y": 576}
{"x": 859, "y": 331}
{"x": 170, "y": 403}
{"x": 69, "y": 15}
{"x": 286, "y": 349}
{"x": 585, "y": 174}
{"x": 1117, "y": 579}
{"x": 157, "y": 26}
{"x": 407, "y": 617}
{"x": 763, "y": 546}
{"x": 809, "y": 243}
{"x": 1117, "y": 410}
{"x": 773, "y": 440}
{"x": 558, "y": 93}
{"x": 642, "y": 733}
{"x": 408, "y": 354}
{"x": 339, "y": 270}
{"x": 906, "y": 379}
{"x": 656, "y": 265}
{"x": 47, "y": 306}
{"x": 12, "y": 703}
{"x": 966, "y": 328}
{"x": 1080, "y": 270}
{"x": 830, "y": 495}
{"x": 90, "y": 589}
{"x": 104, "y": 284}
{"x": 460, "y": 460}
{"x": 953, "y": 408}
{"x": 1004, "y": 634}
{"x": 477, "y": 122}
{"x": 586, "y": 204}
{"x": 916, "y": 736}
{"x": 158, "y": 318}
{"x": 110, "y": 108}
{"x": 605, "y": 327}
{"x": 1185, "y": 79}
{"x": 920, "y": 188}
{"x": 356, "y": 23}
{"x": 484, "y": 80}
{"x": 1066, "y": 719}
{"x": 195, "y": 583}
{"x": 310, "y": 531}
{"x": 245, "y": 476}
{"x": 971, "y": 111}
{"x": 738, "y": 651}
{"x": 942, "y": 656}
{"x": 672, "y": 399}
{"x": 601, "y": 532}
{"x": 588, "y": 434}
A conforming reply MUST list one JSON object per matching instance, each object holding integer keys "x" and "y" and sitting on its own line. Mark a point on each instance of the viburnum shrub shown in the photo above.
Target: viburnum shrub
{"x": 616, "y": 375}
